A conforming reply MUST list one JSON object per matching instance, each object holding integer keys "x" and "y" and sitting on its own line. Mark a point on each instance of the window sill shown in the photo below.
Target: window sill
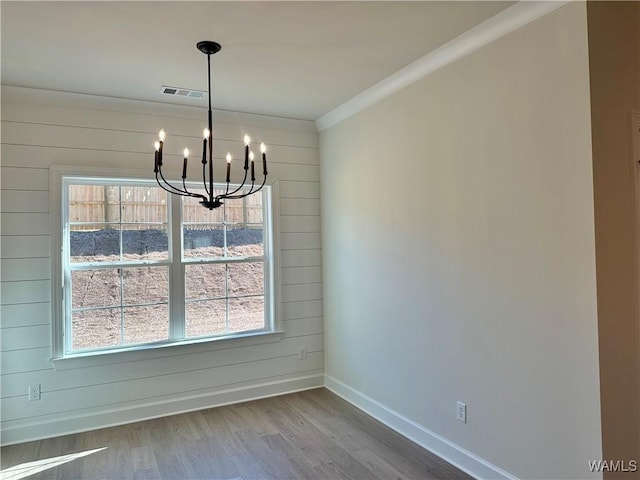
{"x": 164, "y": 350}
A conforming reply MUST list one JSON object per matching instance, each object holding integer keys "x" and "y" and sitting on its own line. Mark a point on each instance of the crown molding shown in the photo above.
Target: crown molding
{"x": 505, "y": 22}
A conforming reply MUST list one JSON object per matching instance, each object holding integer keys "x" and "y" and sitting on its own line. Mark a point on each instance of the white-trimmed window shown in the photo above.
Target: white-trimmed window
{"x": 140, "y": 267}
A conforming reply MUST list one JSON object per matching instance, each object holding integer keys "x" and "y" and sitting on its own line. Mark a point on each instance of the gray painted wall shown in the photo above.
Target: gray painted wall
{"x": 459, "y": 256}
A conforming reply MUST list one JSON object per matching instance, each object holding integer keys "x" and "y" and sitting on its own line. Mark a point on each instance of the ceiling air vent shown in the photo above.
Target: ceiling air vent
{"x": 182, "y": 92}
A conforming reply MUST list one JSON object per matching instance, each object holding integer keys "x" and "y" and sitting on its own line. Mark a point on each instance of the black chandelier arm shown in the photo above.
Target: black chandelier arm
{"x": 176, "y": 189}
{"x": 264, "y": 180}
{"x": 230, "y": 195}
{"x": 190, "y": 194}
{"x": 240, "y": 195}
{"x": 173, "y": 190}
{"x": 250, "y": 192}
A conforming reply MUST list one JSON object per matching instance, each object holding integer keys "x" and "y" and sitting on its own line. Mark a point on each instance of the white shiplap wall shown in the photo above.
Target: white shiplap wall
{"x": 40, "y": 129}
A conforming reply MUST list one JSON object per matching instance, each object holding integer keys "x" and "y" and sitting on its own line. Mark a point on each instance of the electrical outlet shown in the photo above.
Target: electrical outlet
{"x": 34, "y": 392}
{"x": 302, "y": 353}
{"x": 461, "y": 412}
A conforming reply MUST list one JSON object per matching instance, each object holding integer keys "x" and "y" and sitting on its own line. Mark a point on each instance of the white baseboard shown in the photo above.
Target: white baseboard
{"x": 82, "y": 422}
{"x": 449, "y": 451}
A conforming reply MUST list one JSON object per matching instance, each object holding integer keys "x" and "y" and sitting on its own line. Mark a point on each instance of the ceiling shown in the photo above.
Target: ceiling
{"x": 288, "y": 59}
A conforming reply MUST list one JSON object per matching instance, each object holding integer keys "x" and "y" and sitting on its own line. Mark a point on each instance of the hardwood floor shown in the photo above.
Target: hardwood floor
{"x": 312, "y": 435}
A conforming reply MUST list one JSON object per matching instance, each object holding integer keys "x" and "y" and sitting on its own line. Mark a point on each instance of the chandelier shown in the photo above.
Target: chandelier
{"x": 211, "y": 200}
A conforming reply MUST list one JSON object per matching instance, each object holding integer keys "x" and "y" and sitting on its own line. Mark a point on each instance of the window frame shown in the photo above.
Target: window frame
{"x": 62, "y": 176}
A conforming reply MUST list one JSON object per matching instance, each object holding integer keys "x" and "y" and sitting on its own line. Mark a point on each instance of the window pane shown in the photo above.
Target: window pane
{"x": 253, "y": 206}
{"x": 95, "y": 288}
{"x": 146, "y": 324}
{"x": 96, "y": 328}
{"x": 144, "y": 205}
{"x": 205, "y": 281}
{"x": 234, "y": 211}
{"x": 94, "y": 203}
{"x": 98, "y": 213}
{"x": 145, "y": 285}
{"x": 245, "y": 241}
{"x": 145, "y": 242}
{"x": 246, "y": 314}
{"x": 203, "y": 241}
{"x": 245, "y": 279}
{"x": 203, "y": 231}
{"x": 205, "y": 318}
{"x": 94, "y": 243}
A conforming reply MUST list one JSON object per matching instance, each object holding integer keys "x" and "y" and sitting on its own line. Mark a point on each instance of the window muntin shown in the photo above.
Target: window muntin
{"x": 129, "y": 280}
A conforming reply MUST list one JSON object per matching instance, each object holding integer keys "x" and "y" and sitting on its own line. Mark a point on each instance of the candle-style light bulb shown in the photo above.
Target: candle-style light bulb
{"x": 184, "y": 164}
{"x": 253, "y": 171}
{"x": 263, "y": 149}
{"x": 205, "y": 135}
{"x": 159, "y": 144}
{"x": 228, "y": 157}
{"x": 156, "y": 157}
{"x": 228, "y": 168}
{"x": 247, "y": 141}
